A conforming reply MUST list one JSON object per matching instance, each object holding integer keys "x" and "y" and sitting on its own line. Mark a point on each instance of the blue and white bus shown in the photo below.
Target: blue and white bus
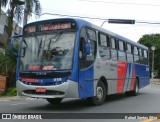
{"x": 73, "y": 58}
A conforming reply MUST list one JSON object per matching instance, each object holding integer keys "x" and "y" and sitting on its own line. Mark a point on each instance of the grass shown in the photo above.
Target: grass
{"x": 9, "y": 92}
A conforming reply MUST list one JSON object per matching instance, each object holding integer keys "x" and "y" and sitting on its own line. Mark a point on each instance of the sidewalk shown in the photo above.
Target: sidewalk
{"x": 13, "y": 98}
{"x": 155, "y": 81}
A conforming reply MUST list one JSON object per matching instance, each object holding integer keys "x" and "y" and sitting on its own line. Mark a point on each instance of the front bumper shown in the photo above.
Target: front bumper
{"x": 68, "y": 89}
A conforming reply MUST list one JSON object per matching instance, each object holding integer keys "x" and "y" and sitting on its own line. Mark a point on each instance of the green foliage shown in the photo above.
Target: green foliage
{"x": 150, "y": 40}
{"x": 10, "y": 92}
{"x": 33, "y": 6}
{"x": 8, "y": 65}
{"x": 16, "y": 11}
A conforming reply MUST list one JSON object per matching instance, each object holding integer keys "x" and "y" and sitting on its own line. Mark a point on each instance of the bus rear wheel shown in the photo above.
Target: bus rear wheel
{"x": 100, "y": 94}
{"x": 54, "y": 100}
{"x": 135, "y": 92}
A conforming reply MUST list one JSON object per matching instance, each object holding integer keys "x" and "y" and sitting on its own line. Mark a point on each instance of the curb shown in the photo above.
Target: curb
{"x": 157, "y": 83}
{"x": 154, "y": 82}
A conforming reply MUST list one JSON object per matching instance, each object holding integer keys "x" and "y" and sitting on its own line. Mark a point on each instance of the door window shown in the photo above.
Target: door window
{"x": 87, "y": 48}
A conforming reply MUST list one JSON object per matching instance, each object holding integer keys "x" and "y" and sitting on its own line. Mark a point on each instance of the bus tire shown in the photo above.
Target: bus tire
{"x": 100, "y": 94}
{"x": 135, "y": 92}
{"x": 54, "y": 100}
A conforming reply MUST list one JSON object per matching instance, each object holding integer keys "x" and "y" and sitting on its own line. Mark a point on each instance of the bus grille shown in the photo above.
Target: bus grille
{"x": 48, "y": 92}
{"x": 43, "y": 84}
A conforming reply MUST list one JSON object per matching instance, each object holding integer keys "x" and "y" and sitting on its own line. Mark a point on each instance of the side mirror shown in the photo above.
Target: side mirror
{"x": 88, "y": 49}
{"x": 85, "y": 48}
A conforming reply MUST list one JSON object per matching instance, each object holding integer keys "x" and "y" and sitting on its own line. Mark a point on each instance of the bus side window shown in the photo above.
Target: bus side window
{"x": 113, "y": 49}
{"x": 121, "y": 51}
{"x": 104, "y": 46}
{"x": 141, "y": 55}
{"x": 136, "y": 54}
{"x": 129, "y": 53}
{"x": 145, "y": 57}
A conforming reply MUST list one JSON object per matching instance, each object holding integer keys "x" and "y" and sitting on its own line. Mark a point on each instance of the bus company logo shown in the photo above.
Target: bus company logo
{"x": 6, "y": 116}
{"x": 57, "y": 79}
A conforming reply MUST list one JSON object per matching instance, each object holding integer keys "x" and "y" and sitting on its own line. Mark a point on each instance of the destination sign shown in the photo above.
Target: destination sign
{"x": 48, "y": 26}
{"x": 56, "y": 26}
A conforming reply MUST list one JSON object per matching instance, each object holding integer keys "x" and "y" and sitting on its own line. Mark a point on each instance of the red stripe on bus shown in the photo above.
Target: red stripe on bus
{"x": 28, "y": 80}
{"x": 122, "y": 70}
{"x": 133, "y": 79}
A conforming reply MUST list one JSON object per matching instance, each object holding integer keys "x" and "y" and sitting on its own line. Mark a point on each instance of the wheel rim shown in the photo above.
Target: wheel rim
{"x": 136, "y": 89}
{"x": 99, "y": 95}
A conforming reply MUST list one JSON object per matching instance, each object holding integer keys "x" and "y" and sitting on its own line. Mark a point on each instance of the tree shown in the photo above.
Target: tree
{"x": 3, "y": 3}
{"x": 16, "y": 11}
{"x": 14, "y": 6}
{"x": 8, "y": 65}
{"x": 7, "y": 60}
{"x": 31, "y": 6}
{"x": 152, "y": 40}
{"x": 0, "y": 6}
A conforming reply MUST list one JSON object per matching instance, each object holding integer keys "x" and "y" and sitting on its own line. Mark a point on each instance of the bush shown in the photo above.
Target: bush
{"x": 9, "y": 92}
{"x": 8, "y": 66}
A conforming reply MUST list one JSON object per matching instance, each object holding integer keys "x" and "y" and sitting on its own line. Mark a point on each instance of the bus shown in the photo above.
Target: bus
{"x": 73, "y": 58}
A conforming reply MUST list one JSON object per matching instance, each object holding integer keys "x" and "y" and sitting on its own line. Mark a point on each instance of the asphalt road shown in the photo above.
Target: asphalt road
{"x": 148, "y": 101}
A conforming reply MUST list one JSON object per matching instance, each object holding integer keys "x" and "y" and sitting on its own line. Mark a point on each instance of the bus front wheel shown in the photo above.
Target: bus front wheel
{"x": 100, "y": 94}
{"x": 54, "y": 100}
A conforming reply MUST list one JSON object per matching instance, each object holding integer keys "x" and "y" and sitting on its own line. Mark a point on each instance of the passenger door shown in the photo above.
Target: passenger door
{"x": 87, "y": 54}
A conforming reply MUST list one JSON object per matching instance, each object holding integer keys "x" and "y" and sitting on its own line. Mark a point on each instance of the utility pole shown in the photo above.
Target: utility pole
{"x": 153, "y": 49}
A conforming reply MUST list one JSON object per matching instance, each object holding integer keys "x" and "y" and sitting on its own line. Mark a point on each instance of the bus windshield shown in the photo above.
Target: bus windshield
{"x": 51, "y": 51}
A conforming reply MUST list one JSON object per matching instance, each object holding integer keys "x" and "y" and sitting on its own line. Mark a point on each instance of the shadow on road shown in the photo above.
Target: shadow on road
{"x": 70, "y": 105}
{"x": 65, "y": 106}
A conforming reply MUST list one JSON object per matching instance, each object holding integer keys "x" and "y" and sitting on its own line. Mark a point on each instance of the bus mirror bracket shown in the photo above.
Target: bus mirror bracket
{"x": 23, "y": 51}
{"x": 12, "y": 45}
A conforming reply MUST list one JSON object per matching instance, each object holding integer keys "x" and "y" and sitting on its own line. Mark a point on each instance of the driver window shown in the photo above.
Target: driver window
{"x": 82, "y": 51}
{"x": 87, "y": 48}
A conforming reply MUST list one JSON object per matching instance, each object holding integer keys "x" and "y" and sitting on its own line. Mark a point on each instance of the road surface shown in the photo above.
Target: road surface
{"x": 148, "y": 101}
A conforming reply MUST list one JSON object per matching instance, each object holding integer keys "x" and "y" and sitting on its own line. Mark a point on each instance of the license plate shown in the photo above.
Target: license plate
{"x": 41, "y": 90}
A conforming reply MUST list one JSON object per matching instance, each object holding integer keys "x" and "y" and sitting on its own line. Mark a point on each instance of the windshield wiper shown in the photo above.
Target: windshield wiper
{"x": 40, "y": 45}
{"x": 39, "y": 48}
{"x": 55, "y": 38}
